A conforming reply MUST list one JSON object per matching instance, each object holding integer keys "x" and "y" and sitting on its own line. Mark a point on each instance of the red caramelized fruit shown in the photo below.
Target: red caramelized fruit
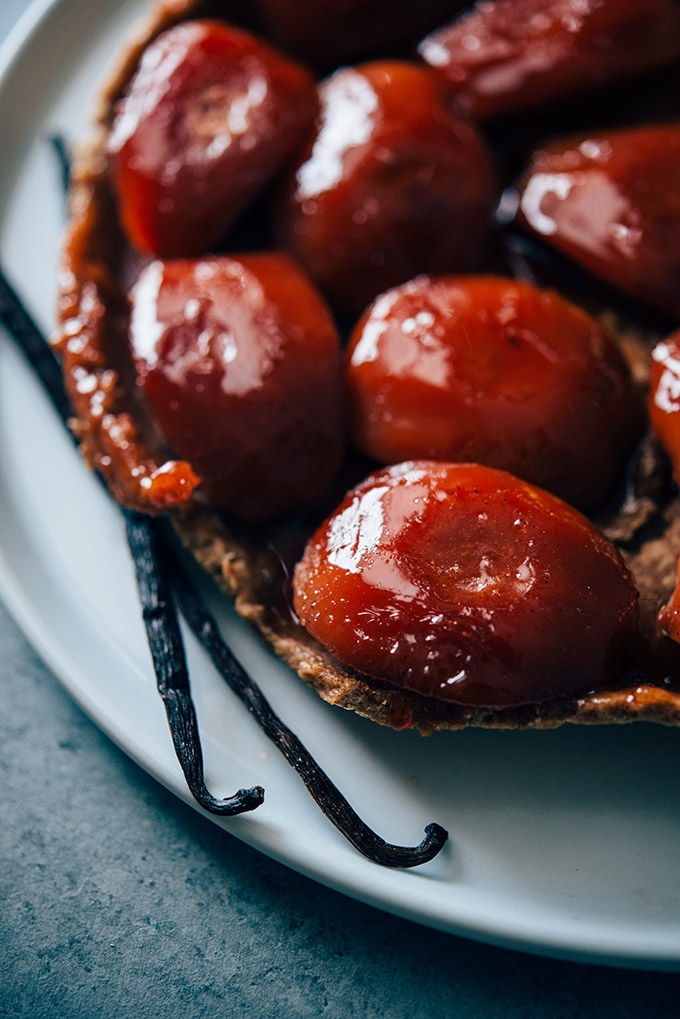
{"x": 664, "y": 412}
{"x": 664, "y": 399}
{"x": 463, "y": 583}
{"x": 669, "y": 614}
{"x": 393, "y": 184}
{"x": 239, "y": 362}
{"x": 512, "y": 54}
{"x": 611, "y": 202}
{"x": 209, "y": 118}
{"x": 493, "y": 371}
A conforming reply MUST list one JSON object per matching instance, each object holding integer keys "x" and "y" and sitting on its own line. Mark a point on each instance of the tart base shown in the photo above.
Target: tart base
{"x": 247, "y": 570}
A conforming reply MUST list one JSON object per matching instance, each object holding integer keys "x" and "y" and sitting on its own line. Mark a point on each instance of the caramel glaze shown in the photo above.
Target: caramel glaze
{"x": 609, "y": 201}
{"x": 115, "y": 437}
{"x": 253, "y": 566}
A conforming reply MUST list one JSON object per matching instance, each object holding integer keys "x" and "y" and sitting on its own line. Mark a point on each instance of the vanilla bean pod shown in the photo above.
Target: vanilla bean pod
{"x": 167, "y": 650}
{"x": 35, "y": 348}
{"x": 165, "y": 641}
{"x": 168, "y": 655}
{"x": 322, "y": 789}
{"x": 169, "y": 662}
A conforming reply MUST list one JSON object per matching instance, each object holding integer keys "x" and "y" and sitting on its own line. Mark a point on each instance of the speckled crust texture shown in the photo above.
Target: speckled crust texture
{"x": 243, "y": 568}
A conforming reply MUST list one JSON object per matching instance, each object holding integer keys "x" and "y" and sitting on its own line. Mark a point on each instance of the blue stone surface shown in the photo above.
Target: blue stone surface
{"x": 117, "y": 900}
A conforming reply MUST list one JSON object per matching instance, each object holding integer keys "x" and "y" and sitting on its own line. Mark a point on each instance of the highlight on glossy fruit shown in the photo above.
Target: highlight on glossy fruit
{"x": 510, "y": 55}
{"x": 392, "y": 184}
{"x": 664, "y": 397}
{"x": 495, "y": 371}
{"x": 465, "y": 584}
{"x": 210, "y": 117}
{"x": 664, "y": 413}
{"x": 239, "y": 363}
{"x": 610, "y": 201}
{"x": 668, "y": 618}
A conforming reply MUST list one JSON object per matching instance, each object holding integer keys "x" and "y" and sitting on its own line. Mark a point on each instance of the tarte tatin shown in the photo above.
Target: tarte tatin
{"x": 291, "y": 321}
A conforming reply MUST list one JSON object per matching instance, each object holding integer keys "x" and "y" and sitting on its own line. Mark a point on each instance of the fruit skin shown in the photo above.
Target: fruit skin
{"x": 664, "y": 413}
{"x": 393, "y": 184}
{"x": 210, "y": 117}
{"x": 240, "y": 365}
{"x": 610, "y": 201}
{"x": 669, "y": 615}
{"x": 494, "y": 371}
{"x": 664, "y": 397}
{"x": 463, "y": 583}
{"x": 507, "y": 56}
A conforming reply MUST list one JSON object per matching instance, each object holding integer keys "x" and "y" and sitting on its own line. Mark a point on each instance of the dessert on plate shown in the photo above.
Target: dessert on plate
{"x": 375, "y": 405}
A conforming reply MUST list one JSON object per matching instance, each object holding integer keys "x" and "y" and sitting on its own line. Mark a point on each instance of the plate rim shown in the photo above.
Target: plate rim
{"x": 14, "y": 50}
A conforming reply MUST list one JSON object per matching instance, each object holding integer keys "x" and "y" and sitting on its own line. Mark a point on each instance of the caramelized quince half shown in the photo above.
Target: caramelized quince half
{"x": 463, "y": 583}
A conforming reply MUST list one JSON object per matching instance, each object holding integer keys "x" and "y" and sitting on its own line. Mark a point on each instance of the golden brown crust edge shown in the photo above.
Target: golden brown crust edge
{"x": 238, "y": 566}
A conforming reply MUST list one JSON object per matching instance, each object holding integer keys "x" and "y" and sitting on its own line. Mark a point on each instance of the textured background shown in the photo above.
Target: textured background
{"x": 118, "y": 900}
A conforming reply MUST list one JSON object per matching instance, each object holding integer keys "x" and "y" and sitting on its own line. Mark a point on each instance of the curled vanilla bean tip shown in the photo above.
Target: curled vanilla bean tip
{"x": 435, "y": 838}
{"x": 170, "y": 668}
{"x": 326, "y": 794}
{"x": 431, "y": 846}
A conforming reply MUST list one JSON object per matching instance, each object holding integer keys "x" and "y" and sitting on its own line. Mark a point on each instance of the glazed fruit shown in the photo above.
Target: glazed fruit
{"x": 210, "y": 117}
{"x": 610, "y": 201}
{"x": 494, "y": 371}
{"x": 664, "y": 401}
{"x": 327, "y": 33}
{"x": 669, "y": 614}
{"x": 239, "y": 363}
{"x": 585, "y": 632}
{"x": 463, "y": 583}
{"x": 512, "y": 54}
{"x": 393, "y": 184}
{"x": 664, "y": 413}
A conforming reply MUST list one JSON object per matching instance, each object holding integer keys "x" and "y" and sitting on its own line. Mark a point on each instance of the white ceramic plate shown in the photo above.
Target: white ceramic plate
{"x": 562, "y": 842}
